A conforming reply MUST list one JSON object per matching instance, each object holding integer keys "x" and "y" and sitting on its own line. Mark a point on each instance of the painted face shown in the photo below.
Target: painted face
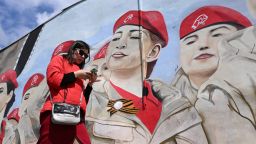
{"x": 103, "y": 74}
{"x": 80, "y": 55}
{"x": 199, "y": 51}
{"x": 26, "y": 99}
{"x": 124, "y": 51}
{"x": 4, "y": 97}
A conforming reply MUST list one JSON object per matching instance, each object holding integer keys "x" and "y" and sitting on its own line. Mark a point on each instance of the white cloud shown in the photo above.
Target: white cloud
{"x": 58, "y": 5}
{"x": 42, "y": 17}
{"x": 21, "y": 5}
{"x": 10, "y": 34}
{"x": 3, "y": 36}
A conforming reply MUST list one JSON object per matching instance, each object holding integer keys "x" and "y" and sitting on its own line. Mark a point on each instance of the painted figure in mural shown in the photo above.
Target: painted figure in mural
{"x": 212, "y": 75}
{"x": 28, "y": 127}
{"x": 8, "y": 83}
{"x": 11, "y": 132}
{"x": 65, "y": 75}
{"x": 128, "y": 111}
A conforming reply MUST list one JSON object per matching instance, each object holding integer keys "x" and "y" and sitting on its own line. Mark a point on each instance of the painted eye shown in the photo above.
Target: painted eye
{"x": 26, "y": 96}
{"x": 115, "y": 39}
{"x": 135, "y": 37}
{"x": 105, "y": 68}
{"x": 191, "y": 42}
{"x": 217, "y": 35}
{"x": 1, "y": 90}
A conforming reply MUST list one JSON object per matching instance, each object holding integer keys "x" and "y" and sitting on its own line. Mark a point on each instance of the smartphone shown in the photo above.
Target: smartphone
{"x": 94, "y": 71}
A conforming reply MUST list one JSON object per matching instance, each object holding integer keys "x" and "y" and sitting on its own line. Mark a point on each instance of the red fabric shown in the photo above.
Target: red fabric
{"x": 63, "y": 48}
{"x": 9, "y": 75}
{"x": 102, "y": 52}
{"x": 56, "y": 69}
{"x": 33, "y": 81}
{"x": 61, "y": 134}
{"x": 14, "y": 115}
{"x": 151, "y": 112}
{"x": 150, "y": 20}
{"x": 209, "y": 15}
{"x": 2, "y": 134}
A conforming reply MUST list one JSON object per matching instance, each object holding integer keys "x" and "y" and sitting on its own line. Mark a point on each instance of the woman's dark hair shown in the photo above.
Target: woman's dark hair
{"x": 10, "y": 87}
{"x": 77, "y": 44}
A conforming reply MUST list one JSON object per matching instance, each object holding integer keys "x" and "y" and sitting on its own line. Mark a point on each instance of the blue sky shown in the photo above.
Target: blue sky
{"x": 19, "y": 17}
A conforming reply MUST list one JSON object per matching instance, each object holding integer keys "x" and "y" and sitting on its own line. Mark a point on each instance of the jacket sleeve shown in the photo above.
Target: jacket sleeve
{"x": 55, "y": 72}
{"x": 68, "y": 79}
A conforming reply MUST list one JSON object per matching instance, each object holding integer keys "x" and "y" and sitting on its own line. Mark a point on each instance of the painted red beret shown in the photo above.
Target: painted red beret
{"x": 33, "y": 81}
{"x": 9, "y": 75}
{"x": 102, "y": 52}
{"x": 210, "y": 15}
{"x": 63, "y": 48}
{"x": 150, "y": 20}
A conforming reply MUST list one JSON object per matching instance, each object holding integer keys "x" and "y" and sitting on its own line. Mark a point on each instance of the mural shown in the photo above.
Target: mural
{"x": 167, "y": 72}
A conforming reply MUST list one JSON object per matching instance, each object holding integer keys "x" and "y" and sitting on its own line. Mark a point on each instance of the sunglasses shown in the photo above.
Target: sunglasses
{"x": 82, "y": 53}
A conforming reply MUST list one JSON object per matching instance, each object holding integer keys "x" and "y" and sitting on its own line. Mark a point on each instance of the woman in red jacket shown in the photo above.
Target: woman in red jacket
{"x": 65, "y": 79}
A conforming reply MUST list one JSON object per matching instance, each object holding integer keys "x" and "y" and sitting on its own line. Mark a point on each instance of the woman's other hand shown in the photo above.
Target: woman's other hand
{"x": 83, "y": 74}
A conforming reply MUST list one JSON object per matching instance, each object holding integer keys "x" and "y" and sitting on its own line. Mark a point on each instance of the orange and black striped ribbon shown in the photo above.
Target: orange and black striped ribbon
{"x": 127, "y": 107}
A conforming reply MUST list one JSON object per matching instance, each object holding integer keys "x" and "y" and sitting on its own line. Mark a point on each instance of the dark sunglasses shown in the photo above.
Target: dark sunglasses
{"x": 82, "y": 53}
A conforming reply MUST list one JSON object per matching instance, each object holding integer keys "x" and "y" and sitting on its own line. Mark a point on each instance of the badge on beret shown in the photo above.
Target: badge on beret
{"x": 200, "y": 20}
{"x": 122, "y": 105}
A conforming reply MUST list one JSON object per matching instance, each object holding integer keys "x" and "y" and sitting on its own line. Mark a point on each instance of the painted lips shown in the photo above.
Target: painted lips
{"x": 118, "y": 55}
{"x": 204, "y": 56}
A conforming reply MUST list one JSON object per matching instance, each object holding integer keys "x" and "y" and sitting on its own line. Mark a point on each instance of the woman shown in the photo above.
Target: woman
{"x": 65, "y": 79}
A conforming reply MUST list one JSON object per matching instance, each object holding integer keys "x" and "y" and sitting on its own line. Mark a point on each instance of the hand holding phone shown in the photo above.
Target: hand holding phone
{"x": 94, "y": 71}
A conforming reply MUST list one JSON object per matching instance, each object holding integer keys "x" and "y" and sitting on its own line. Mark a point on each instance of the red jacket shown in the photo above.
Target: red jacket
{"x": 56, "y": 69}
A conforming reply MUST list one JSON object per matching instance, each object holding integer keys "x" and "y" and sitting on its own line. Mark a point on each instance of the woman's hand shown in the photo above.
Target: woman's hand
{"x": 83, "y": 74}
{"x": 92, "y": 79}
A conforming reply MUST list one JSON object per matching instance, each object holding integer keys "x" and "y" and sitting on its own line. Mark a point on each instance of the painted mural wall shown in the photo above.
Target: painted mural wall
{"x": 169, "y": 71}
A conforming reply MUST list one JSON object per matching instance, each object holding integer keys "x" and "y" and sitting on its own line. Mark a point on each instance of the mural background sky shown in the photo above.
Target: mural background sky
{"x": 17, "y": 18}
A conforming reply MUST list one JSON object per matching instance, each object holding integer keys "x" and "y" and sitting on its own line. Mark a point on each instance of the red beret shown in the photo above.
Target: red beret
{"x": 33, "y": 81}
{"x": 10, "y": 76}
{"x": 209, "y": 15}
{"x": 63, "y": 48}
{"x": 102, "y": 52}
{"x": 150, "y": 20}
{"x": 14, "y": 115}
